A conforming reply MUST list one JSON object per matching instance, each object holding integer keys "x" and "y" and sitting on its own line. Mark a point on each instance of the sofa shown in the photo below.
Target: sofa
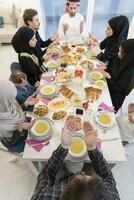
{"x": 12, "y": 18}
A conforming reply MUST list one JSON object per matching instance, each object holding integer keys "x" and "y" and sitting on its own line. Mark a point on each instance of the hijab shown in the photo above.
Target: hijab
{"x": 21, "y": 40}
{"x": 120, "y": 26}
{"x": 123, "y": 69}
{"x": 11, "y": 114}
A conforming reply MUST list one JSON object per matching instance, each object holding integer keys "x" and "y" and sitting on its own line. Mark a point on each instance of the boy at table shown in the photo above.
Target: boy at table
{"x": 102, "y": 186}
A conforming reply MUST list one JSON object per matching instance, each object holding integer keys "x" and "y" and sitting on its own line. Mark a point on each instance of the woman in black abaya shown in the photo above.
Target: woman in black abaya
{"x": 122, "y": 73}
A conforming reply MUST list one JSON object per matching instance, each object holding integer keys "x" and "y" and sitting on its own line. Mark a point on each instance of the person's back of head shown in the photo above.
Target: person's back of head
{"x": 83, "y": 188}
{"x": 28, "y": 15}
{"x": 17, "y": 77}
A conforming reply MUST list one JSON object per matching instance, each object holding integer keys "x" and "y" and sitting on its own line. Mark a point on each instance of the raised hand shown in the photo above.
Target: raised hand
{"x": 90, "y": 136}
{"x": 131, "y": 112}
{"x": 26, "y": 125}
{"x": 65, "y": 28}
{"x": 31, "y": 101}
{"x": 54, "y": 37}
{"x": 66, "y": 134}
{"x": 81, "y": 26}
{"x": 93, "y": 37}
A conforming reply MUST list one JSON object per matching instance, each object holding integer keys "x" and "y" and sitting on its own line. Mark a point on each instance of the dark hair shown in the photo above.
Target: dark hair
{"x": 17, "y": 76}
{"x": 80, "y": 188}
{"x": 28, "y": 15}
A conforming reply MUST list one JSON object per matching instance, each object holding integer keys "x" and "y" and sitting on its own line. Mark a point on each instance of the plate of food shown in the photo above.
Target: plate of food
{"x": 66, "y": 92}
{"x": 60, "y": 115}
{"x": 94, "y": 75}
{"x": 48, "y": 78}
{"x": 92, "y": 93}
{"x": 80, "y": 50}
{"x": 78, "y": 121}
{"x": 64, "y": 76}
{"x": 40, "y": 111}
{"x": 76, "y": 101}
{"x": 41, "y": 130}
{"x": 100, "y": 83}
{"x": 47, "y": 90}
{"x": 88, "y": 64}
{"x": 52, "y": 64}
{"x": 77, "y": 150}
{"x": 78, "y": 42}
{"x": 58, "y": 104}
{"x": 105, "y": 118}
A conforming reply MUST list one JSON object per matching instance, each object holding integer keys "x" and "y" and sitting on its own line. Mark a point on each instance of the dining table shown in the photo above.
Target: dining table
{"x": 72, "y": 58}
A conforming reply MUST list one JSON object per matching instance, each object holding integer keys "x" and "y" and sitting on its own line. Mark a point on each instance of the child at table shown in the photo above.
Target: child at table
{"x": 116, "y": 32}
{"x": 26, "y": 93}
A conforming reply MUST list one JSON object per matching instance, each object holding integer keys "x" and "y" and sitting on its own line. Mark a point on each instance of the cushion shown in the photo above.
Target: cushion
{"x": 16, "y": 13}
{"x": 5, "y": 13}
{"x": 1, "y": 22}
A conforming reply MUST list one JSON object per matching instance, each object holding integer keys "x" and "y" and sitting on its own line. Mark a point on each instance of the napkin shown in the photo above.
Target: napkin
{"x": 37, "y": 145}
{"x": 104, "y": 106}
{"x": 46, "y": 101}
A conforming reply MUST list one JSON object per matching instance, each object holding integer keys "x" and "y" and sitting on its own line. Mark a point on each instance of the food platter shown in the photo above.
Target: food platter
{"x": 58, "y": 104}
{"x": 78, "y": 42}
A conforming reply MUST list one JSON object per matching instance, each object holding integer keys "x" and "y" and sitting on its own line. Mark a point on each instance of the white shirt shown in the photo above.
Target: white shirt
{"x": 73, "y": 31}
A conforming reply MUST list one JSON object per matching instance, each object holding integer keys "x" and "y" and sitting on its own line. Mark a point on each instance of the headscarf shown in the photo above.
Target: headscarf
{"x": 120, "y": 26}
{"x": 11, "y": 114}
{"x": 21, "y": 40}
{"x": 123, "y": 69}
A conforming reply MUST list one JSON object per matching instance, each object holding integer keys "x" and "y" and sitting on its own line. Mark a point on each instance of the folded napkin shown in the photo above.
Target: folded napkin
{"x": 37, "y": 145}
{"x": 104, "y": 106}
{"x": 46, "y": 101}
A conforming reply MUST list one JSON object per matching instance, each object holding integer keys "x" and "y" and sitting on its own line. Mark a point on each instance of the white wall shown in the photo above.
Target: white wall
{"x": 25, "y": 4}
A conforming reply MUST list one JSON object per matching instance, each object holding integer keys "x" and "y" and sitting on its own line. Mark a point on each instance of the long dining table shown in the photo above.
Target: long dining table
{"x": 111, "y": 145}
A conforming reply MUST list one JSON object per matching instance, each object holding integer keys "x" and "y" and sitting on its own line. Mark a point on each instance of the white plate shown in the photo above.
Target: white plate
{"x": 80, "y": 47}
{"x": 100, "y": 76}
{"x": 42, "y": 137}
{"x": 101, "y": 82}
{"x": 55, "y": 101}
{"x": 52, "y": 64}
{"x": 46, "y": 87}
{"x": 78, "y": 42}
{"x": 110, "y": 116}
{"x": 82, "y": 156}
{"x": 59, "y": 120}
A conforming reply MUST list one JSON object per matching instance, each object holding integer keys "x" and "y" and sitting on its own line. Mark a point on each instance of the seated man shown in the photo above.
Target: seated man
{"x": 79, "y": 186}
{"x": 72, "y": 24}
{"x": 31, "y": 19}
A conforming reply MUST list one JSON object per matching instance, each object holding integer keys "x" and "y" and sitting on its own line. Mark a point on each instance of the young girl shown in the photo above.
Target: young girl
{"x": 122, "y": 74}
{"x": 116, "y": 32}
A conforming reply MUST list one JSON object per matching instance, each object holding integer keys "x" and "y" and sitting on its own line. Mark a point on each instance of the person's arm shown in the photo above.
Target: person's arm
{"x": 42, "y": 43}
{"x": 131, "y": 112}
{"x": 98, "y": 162}
{"x": 61, "y": 31}
{"x": 47, "y": 177}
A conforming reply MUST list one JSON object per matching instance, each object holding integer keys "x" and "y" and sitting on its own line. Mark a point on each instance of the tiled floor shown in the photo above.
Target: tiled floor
{"x": 16, "y": 179}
